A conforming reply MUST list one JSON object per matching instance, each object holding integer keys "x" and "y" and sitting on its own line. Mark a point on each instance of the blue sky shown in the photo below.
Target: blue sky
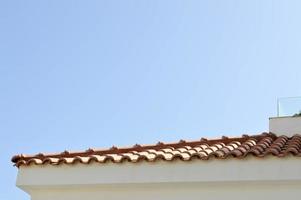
{"x": 80, "y": 74}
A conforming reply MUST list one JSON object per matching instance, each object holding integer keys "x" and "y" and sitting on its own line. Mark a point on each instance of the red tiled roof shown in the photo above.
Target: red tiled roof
{"x": 204, "y": 149}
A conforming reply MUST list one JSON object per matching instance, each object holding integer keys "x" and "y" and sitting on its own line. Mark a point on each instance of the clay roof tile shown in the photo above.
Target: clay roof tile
{"x": 256, "y": 145}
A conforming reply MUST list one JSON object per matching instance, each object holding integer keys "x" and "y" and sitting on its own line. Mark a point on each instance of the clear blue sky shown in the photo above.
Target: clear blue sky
{"x": 80, "y": 74}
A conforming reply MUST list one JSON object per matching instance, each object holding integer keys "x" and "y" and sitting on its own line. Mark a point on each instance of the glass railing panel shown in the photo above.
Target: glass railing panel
{"x": 289, "y": 106}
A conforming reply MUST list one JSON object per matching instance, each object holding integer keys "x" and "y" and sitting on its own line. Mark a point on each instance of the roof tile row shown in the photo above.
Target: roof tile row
{"x": 204, "y": 149}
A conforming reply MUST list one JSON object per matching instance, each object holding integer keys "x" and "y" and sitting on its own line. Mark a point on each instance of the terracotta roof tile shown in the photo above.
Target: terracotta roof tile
{"x": 257, "y": 145}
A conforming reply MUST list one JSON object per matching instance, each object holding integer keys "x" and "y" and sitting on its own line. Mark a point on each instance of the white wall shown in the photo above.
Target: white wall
{"x": 285, "y": 125}
{"x": 268, "y": 178}
{"x": 187, "y": 191}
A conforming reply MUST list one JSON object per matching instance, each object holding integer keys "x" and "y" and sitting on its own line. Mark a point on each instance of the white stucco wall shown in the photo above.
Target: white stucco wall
{"x": 268, "y": 178}
{"x": 187, "y": 191}
{"x": 285, "y": 125}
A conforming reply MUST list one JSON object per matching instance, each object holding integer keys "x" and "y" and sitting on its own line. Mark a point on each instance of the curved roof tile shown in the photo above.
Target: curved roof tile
{"x": 257, "y": 145}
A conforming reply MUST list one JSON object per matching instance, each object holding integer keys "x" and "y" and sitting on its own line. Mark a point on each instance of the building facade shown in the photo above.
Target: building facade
{"x": 264, "y": 166}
